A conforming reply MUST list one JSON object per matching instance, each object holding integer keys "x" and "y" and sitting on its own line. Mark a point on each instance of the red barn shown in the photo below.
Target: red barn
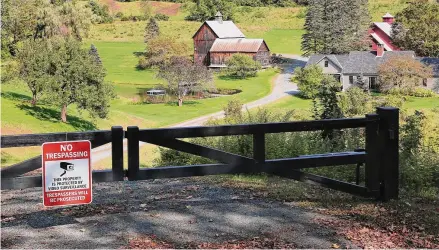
{"x": 217, "y": 40}
{"x": 380, "y": 33}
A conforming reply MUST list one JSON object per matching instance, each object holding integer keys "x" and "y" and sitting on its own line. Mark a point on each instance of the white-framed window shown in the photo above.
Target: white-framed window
{"x": 326, "y": 63}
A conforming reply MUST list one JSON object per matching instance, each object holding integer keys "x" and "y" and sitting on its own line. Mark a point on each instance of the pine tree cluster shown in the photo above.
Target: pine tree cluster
{"x": 336, "y": 26}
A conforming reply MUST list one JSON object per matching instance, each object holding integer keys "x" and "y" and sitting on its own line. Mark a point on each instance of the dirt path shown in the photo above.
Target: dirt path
{"x": 282, "y": 87}
{"x": 178, "y": 211}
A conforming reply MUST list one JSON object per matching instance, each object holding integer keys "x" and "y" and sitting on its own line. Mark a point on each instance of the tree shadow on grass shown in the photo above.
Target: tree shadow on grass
{"x": 15, "y": 96}
{"x": 51, "y": 115}
{"x": 232, "y": 78}
{"x": 185, "y": 103}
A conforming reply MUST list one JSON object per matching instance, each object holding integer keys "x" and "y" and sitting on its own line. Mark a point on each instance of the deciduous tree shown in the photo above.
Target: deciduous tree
{"x": 402, "y": 72}
{"x": 308, "y": 80}
{"x": 242, "y": 66}
{"x": 184, "y": 77}
{"x": 78, "y": 80}
{"x": 206, "y": 9}
{"x": 160, "y": 50}
{"x": 35, "y": 67}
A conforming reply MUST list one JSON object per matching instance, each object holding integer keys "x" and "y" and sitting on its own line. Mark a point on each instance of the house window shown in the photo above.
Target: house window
{"x": 424, "y": 82}
{"x": 337, "y": 77}
{"x": 351, "y": 79}
{"x": 373, "y": 83}
{"x": 326, "y": 64}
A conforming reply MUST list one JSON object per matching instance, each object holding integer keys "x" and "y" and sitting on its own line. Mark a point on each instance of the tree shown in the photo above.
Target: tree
{"x": 35, "y": 67}
{"x": 41, "y": 19}
{"x": 336, "y": 27}
{"x": 402, "y": 72}
{"x": 242, "y": 66}
{"x": 417, "y": 28}
{"x": 146, "y": 8}
{"x": 184, "y": 77}
{"x": 355, "y": 101}
{"x": 326, "y": 106}
{"x": 18, "y": 21}
{"x": 206, "y": 9}
{"x": 93, "y": 52}
{"x": 152, "y": 30}
{"x": 308, "y": 80}
{"x": 78, "y": 80}
{"x": 160, "y": 50}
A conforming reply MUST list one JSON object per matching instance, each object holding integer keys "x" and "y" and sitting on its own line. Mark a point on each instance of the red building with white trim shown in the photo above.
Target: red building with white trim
{"x": 380, "y": 33}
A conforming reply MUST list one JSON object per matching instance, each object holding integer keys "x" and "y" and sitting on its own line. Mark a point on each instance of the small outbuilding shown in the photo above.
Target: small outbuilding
{"x": 217, "y": 40}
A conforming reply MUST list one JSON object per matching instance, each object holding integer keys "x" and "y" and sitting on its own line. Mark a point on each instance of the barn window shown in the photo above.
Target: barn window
{"x": 424, "y": 82}
{"x": 326, "y": 64}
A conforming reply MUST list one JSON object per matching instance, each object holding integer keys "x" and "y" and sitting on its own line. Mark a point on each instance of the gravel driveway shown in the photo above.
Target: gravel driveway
{"x": 178, "y": 211}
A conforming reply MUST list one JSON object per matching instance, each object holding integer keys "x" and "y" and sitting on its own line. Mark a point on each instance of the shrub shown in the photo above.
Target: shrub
{"x": 308, "y": 80}
{"x": 242, "y": 66}
{"x": 416, "y": 91}
{"x": 119, "y": 15}
{"x": 101, "y": 11}
{"x": 161, "y": 17}
{"x": 355, "y": 101}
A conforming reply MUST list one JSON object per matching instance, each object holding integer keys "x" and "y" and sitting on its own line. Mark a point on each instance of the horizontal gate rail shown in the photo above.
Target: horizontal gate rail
{"x": 98, "y": 137}
{"x": 247, "y": 129}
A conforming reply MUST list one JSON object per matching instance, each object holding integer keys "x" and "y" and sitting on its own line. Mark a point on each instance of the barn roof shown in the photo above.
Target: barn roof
{"x": 237, "y": 45}
{"x": 386, "y": 27}
{"x": 225, "y": 29}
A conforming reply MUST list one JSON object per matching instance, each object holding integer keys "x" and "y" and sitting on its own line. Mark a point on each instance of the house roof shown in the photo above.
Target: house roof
{"x": 225, "y": 29}
{"x": 432, "y": 62}
{"x": 236, "y": 45}
{"x": 365, "y": 62}
{"x": 385, "y": 27}
{"x": 381, "y": 41}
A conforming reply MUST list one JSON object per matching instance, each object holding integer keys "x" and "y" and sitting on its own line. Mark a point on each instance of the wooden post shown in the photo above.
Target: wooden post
{"x": 372, "y": 180}
{"x": 389, "y": 155}
{"x": 133, "y": 152}
{"x": 117, "y": 152}
{"x": 258, "y": 151}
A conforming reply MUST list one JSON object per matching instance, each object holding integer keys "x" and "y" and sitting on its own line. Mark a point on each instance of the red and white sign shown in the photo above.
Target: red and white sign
{"x": 66, "y": 173}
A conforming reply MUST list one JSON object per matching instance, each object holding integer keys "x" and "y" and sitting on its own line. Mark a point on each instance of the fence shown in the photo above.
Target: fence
{"x": 380, "y": 155}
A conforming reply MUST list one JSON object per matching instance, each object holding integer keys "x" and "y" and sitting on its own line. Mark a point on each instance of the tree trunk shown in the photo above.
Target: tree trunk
{"x": 180, "y": 101}
{"x": 64, "y": 113}
{"x": 34, "y": 99}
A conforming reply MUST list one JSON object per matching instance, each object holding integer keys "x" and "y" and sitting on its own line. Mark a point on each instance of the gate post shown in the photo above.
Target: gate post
{"x": 117, "y": 153}
{"x": 133, "y": 152}
{"x": 372, "y": 175}
{"x": 389, "y": 157}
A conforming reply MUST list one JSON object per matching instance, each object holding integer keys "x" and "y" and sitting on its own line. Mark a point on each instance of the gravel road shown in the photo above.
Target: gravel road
{"x": 282, "y": 87}
{"x": 177, "y": 211}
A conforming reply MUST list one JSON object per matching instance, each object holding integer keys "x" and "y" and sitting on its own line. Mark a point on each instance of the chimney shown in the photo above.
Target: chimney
{"x": 387, "y": 18}
{"x": 380, "y": 50}
{"x": 219, "y": 17}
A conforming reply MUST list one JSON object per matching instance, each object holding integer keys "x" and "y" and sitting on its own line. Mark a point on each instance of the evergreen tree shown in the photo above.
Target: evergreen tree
{"x": 335, "y": 27}
{"x": 93, "y": 52}
{"x": 152, "y": 30}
